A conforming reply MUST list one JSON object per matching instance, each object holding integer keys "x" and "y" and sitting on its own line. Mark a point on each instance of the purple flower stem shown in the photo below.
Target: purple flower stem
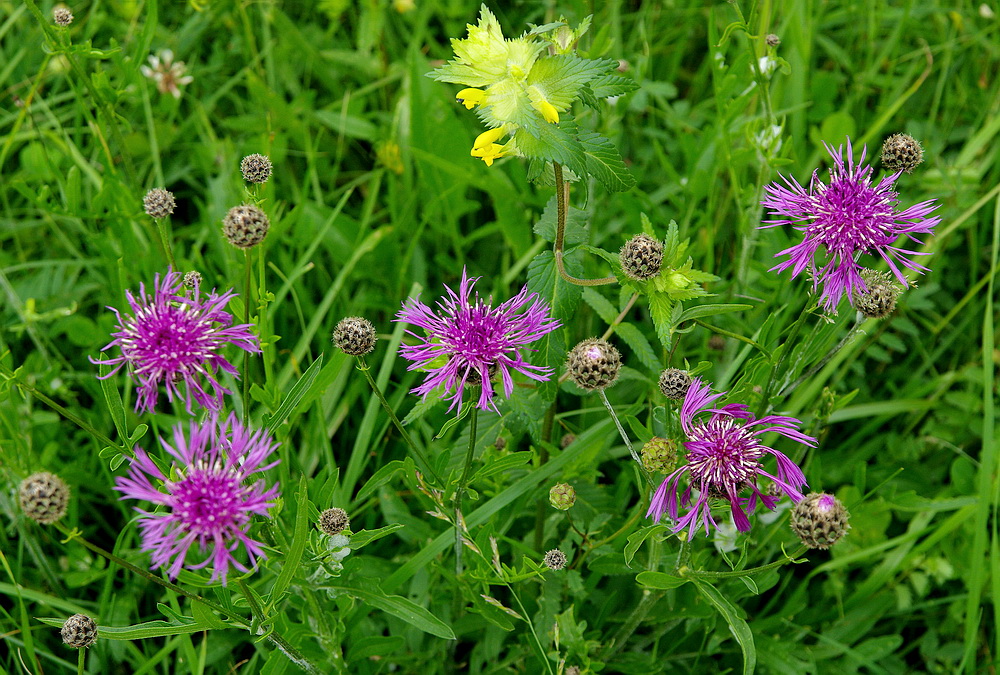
{"x": 279, "y": 642}
{"x": 161, "y": 225}
{"x": 460, "y": 491}
{"x": 363, "y": 367}
{"x": 793, "y": 335}
{"x": 855, "y": 329}
{"x": 246, "y": 355}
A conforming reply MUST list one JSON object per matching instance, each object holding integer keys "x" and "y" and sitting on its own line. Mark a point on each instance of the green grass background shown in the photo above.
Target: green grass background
{"x": 332, "y": 91}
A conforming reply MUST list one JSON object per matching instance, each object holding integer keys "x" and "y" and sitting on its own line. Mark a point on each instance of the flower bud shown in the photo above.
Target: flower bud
{"x": 79, "y": 631}
{"x": 593, "y": 364}
{"x": 255, "y": 168}
{"x": 44, "y": 497}
{"x": 334, "y": 521}
{"x": 820, "y": 520}
{"x": 772, "y": 40}
{"x": 901, "y": 152}
{"x": 245, "y": 226}
{"x": 158, "y": 203}
{"x": 62, "y": 16}
{"x": 879, "y": 300}
{"x": 355, "y": 336}
{"x": 562, "y": 496}
{"x": 500, "y": 443}
{"x": 641, "y": 257}
{"x": 674, "y": 383}
{"x": 567, "y": 440}
{"x": 192, "y": 279}
{"x": 555, "y": 559}
{"x": 659, "y": 455}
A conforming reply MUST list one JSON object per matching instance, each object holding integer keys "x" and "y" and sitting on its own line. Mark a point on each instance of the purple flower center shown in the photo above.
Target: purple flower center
{"x": 852, "y": 216}
{"x": 168, "y": 337}
{"x": 722, "y": 453}
{"x": 209, "y": 501}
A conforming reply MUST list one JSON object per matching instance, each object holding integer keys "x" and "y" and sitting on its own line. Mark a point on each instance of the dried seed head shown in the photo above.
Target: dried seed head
{"x": 562, "y": 496}
{"x": 641, "y": 257}
{"x": 593, "y": 364}
{"x": 192, "y": 279}
{"x": 716, "y": 343}
{"x": 820, "y": 520}
{"x": 879, "y": 300}
{"x": 659, "y": 455}
{"x": 62, "y": 16}
{"x": 772, "y": 40}
{"x": 334, "y": 521}
{"x": 355, "y": 336}
{"x": 158, "y": 203}
{"x": 901, "y": 152}
{"x": 554, "y": 559}
{"x": 567, "y": 440}
{"x": 674, "y": 383}
{"x": 79, "y": 631}
{"x": 245, "y": 226}
{"x": 500, "y": 443}
{"x": 255, "y": 168}
{"x": 44, "y": 497}
{"x": 774, "y": 490}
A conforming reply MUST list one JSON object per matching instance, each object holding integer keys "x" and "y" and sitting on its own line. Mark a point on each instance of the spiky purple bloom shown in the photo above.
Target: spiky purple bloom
{"x": 724, "y": 457}
{"x": 208, "y": 495}
{"x": 475, "y": 341}
{"x": 174, "y": 337}
{"x": 848, "y": 216}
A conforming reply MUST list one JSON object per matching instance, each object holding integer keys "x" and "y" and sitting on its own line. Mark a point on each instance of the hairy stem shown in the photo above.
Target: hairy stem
{"x": 562, "y": 207}
{"x": 246, "y": 354}
{"x": 460, "y": 492}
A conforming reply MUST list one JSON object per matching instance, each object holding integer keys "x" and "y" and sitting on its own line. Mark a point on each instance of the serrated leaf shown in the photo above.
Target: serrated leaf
{"x": 609, "y": 85}
{"x": 600, "y": 304}
{"x": 528, "y": 407}
{"x": 660, "y": 310}
{"x": 639, "y": 345}
{"x": 561, "y": 77}
{"x": 553, "y": 142}
{"x": 604, "y": 163}
{"x": 564, "y": 299}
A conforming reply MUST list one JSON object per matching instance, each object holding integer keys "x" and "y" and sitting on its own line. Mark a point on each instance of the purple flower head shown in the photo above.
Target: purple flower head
{"x": 473, "y": 341}
{"x": 174, "y": 337}
{"x": 848, "y": 216}
{"x": 724, "y": 457}
{"x": 208, "y": 495}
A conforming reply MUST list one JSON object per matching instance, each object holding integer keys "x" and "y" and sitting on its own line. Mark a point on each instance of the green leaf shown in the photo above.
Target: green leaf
{"x": 290, "y": 563}
{"x": 529, "y": 410}
{"x": 400, "y": 607}
{"x": 295, "y": 395}
{"x": 365, "y": 537}
{"x": 205, "y": 616}
{"x": 639, "y": 345}
{"x": 737, "y": 624}
{"x": 702, "y": 311}
{"x": 611, "y": 85}
{"x": 660, "y": 309}
{"x": 660, "y": 580}
{"x": 379, "y": 478}
{"x": 563, "y": 299}
{"x": 636, "y": 538}
{"x": 601, "y": 305}
{"x": 576, "y": 231}
{"x": 604, "y": 163}
{"x": 114, "y": 399}
{"x": 560, "y": 78}
{"x": 138, "y": 631}
{"x": 502, "y": 465}
{"x": 553, "y": 142}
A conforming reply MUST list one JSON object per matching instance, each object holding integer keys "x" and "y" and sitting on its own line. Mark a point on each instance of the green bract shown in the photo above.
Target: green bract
{"x": 523, "y": 93}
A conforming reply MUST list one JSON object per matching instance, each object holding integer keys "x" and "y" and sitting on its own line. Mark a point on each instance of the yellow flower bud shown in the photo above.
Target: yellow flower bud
{"x": 470, "y": 97}
{"x": 549, "y": 112}
{"x": 488, "y": 153}
{"x": 487, "y": 138}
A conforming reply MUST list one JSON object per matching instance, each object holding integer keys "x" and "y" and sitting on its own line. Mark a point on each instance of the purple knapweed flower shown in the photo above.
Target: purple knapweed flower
{"x": 475, "y": 341}
{"x": 207, "y": 493}
{"x": 849, "y": 216}
{"x": 724, "y": 457}
{"x": 174, "y": 337}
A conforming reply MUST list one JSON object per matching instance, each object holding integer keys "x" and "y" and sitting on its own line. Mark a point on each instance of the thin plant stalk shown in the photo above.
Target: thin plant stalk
{"x": 246, "y": 354}
{"x": 855, "y": 329}
{"x": 776, "y": 365}
{"x": 460, "y": 492}
{"x": 562, "y": 207}
{"x": 275, "y": 639}
{"x": 621, "y": 431}
{"x": 363, "y": 367}
{"x": 161, "y": 226}
{"x": 81, "y": 661}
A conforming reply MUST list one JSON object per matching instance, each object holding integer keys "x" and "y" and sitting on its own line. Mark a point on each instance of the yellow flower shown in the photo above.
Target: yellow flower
{"x": 487, "y": 139}
{"x": 548, "y": 112}
{"x": 488, "y": 153}
{"x": 470, "y": 97}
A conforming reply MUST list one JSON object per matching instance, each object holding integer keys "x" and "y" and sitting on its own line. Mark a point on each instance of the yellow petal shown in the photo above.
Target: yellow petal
{"x": 470, "y": 97}
{"x": 549, "y": 112}
{"x": 488, "y": 153}
{"x": 485, "y": 139}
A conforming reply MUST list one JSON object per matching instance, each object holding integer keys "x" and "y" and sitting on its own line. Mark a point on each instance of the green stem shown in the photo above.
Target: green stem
{"x": 543, "y": 458}
{"x": 161, "y": 225}
{"x": 855, "y": 329}
{"x": 735, "y": 336}
{"x": 80, "y": 422}
{"x": 363, "y": 367}
{"x": 685, "y": 571}
{"x": 562, "y": 207}
{"x": 789, "y": 345}
{"x": 81, "y": 661}
{"x": 621, "y": 431}
{"x": 246, "y": 354}
{"x": 649, "y": 598}
{"x": 460, "y": 492}
{"x": 531, "y": 627}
